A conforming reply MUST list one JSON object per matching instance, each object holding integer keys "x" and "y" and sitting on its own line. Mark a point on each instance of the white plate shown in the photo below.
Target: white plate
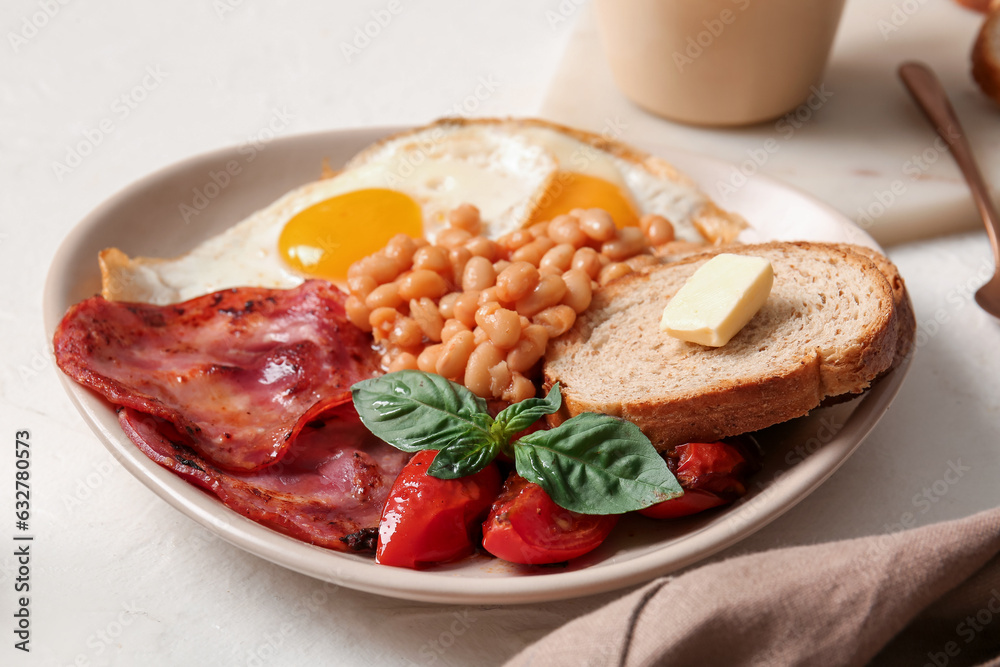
{"x": 146, "y": 219}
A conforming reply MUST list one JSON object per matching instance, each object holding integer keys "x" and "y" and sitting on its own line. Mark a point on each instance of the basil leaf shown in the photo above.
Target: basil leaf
{"x": 596, "y": 464}
{"x": 465, "y": 457}
{"x": 520, "y": 416}
{"x": 413, "y": 410}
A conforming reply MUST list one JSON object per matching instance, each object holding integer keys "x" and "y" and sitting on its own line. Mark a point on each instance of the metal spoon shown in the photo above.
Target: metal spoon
{"x": 933, "y": 101}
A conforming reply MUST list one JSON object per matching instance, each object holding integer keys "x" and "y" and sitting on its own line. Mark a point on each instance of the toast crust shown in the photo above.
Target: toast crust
{"x": 986, "y": 59}
{"x": 726, "y": 405}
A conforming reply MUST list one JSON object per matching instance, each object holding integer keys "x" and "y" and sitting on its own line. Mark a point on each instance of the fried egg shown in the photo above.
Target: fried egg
{"x": 515, "y": 172}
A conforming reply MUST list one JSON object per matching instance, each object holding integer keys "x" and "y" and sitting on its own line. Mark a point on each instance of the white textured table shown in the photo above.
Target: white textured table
{"x": 117, "y": 576}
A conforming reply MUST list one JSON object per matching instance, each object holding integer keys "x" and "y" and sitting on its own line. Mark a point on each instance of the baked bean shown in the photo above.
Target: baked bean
{"x": 422, "y": 283}
{"x": 384, "y": 296}
{"x": 560, "y": 257}
{"x": 446, "y": 306}
{"x": 488, "y": 295}
{"x": 549, "y": 271}
{"x": 515, "y": 240}
{"x": 361, "y": 285}
{"x": 400, "y": 249}
{"x": 549, "y": 291}
{"x": 358, "y": 313}
{"x": 503, "y": 326}
{"x": 587, "y": 260}
{"x": 539, "y": 229}
{"x": 630, "y": 242}
{"x": 382, "y": 321}
{"x": 556, "y": 320}
{"x": 357, "y": 269}
{"x": 477, "y": 371}
{"x": 362, "y": 267}
{"x": 383, "y": 269}
{"x": 455, "y": 355}
{"x": 432, "y": 258}
{"x": 641, "y": 261}
{"x": 453, "y": 237}
{"x": 406, "y": 332}
{"x": 660, "y": 231}
{"x": 480, "y": 246}
{"x": 566, "y": 229}
{"x": 632, "y": 234}
{"x": 458, "y": 257}
{"x": 402, "y": 361}
{"x": 578, "y": 292}
{"x": 598, "y": 225}
{"x": 520, "y": 389}
{"x": 478, "y": 274}
{"x": 427, "y": 360}
{"x": 450, "y": 328}
{"x": 528, "y": 350}
{"x": 511, "y": 296}
{"x": 427, "y": 316}
{"x": 499, "y": 378}
{"x": 516, "y": 281}
{"x": 534, "y": 251}
{"x": 645, "y": 220}
{"x": 479, "y": 336}
{"x": 613, "y": 272}
{"x": 465, "y": 308}
{"x": 465, "y": 216}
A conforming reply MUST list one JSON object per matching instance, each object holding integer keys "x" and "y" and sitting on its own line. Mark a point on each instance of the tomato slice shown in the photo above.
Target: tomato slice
{"x": 525, "y": 526}
{"x": 711, "y": 474}
{"x": 711, "y": 466}
{"x": 428, "y": 520}
{"x": 692, "y": 502}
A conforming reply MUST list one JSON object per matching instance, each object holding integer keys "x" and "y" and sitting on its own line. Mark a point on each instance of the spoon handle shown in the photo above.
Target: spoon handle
{"x": 933, "y": 101}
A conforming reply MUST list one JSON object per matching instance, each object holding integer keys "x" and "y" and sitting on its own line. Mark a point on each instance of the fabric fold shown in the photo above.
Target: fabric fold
{"x": 838, "y": 603}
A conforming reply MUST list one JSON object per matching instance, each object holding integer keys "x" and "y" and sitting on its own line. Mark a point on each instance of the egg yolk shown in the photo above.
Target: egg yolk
{"x": 571, "y": 190}
{"x": 326, "y": 238}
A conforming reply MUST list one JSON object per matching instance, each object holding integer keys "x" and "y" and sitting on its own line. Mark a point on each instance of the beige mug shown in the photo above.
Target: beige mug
{"x": 718, "y": 62}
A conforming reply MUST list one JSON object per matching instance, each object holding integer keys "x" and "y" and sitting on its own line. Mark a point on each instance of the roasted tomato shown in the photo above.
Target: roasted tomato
{"x": 712, "y": 474}
{"x": 526, "y": 526}
{"x": 429, "y": 520}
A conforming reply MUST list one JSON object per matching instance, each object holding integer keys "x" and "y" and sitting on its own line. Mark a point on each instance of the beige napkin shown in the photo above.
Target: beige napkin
{"x": 928, "y": 596}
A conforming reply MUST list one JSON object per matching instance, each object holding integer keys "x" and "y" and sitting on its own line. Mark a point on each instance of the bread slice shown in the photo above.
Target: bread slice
{"x": 829, "y": 327}
{"x": 980, "y": 5}
{"x": 986, "y": 56}
{"x": 906, "y": 322}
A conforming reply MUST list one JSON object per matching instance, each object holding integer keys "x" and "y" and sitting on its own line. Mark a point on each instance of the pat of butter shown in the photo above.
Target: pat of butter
{"x": 719, "y": 299}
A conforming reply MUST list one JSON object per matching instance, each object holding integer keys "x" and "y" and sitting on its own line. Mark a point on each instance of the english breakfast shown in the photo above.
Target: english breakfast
{"x": 505, "y": 283}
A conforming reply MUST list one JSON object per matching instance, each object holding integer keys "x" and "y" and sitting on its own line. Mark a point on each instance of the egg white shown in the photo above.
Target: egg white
{"x": 499, "y": 173}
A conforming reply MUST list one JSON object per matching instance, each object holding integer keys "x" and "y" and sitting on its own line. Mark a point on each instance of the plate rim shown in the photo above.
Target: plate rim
{"x": 438, "y": 586}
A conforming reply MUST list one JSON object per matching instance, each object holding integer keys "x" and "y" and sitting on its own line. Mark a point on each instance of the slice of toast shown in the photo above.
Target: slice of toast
{"x": 833, "y": 323}
{"x": 986, "y": 55}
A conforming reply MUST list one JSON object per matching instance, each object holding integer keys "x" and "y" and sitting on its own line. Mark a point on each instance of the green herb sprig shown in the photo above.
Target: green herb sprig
{"x": 591, "y": 463}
